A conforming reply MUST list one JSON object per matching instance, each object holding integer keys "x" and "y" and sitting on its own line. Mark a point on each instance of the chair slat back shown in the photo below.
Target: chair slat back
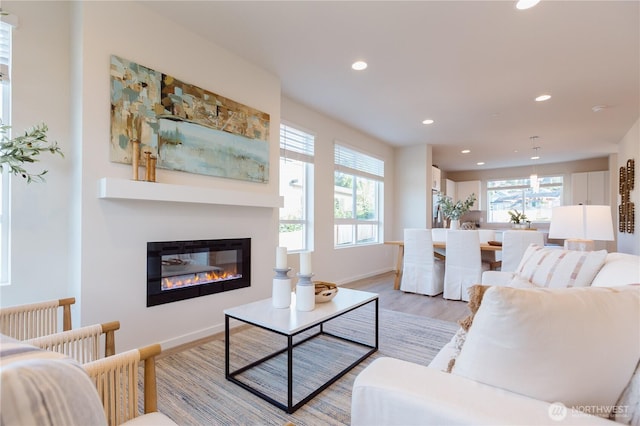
{"x": 29, "y": 321}
{"x": 116, "y": 380}
{"x": 82, "y": 344}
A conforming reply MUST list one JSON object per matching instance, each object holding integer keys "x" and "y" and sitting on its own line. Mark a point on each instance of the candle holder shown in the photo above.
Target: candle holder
{"x": 281, "y": 291}
{"x": 305, "y": 293}
{"x": 135, "y": 157}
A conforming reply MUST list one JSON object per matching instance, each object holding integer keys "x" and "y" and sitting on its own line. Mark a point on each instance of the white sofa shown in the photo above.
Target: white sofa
{"x": 395, "y": 392}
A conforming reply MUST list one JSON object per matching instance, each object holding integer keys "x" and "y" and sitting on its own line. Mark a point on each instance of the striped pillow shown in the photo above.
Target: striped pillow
{"x": 45, "y": 388}
{"x": 556, "y": 268}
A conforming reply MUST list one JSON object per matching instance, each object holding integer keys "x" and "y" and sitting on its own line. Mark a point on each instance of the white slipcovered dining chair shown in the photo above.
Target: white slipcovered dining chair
{"x": 422, "y": 272}
{"x": 514, "y": 244}
{"x": 463, "y": 264}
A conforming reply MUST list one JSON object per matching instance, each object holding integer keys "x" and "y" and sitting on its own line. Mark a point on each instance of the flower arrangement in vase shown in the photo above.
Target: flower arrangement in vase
{"x": 454, "y": 210}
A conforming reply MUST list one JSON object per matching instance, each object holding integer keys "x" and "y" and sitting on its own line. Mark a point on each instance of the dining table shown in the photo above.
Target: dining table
{"x": 493, "y": 246}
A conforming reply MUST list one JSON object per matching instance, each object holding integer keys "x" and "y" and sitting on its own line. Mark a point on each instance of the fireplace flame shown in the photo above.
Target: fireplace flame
{"x": 198, "y": 278}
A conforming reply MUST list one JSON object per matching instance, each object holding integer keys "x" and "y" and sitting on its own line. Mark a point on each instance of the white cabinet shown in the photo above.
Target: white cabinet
{"x": 590, "y": 188}
{"x": 450, "y": 188}
{"x": 436, "y": 177}
{"x": 466, "y": 188}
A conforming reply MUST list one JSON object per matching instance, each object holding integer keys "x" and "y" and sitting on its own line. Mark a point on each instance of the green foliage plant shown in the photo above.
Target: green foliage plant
{"x": 455, "y": 210}
{"x": 517, "y": 217}
{"x": 15, "y": 152}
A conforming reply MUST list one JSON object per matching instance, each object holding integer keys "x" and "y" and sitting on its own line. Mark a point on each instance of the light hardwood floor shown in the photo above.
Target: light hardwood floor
{"x": 410, "y": 303}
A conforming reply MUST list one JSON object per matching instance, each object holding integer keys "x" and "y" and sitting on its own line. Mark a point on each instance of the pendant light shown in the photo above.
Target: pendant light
{"x": 534, "y": 182}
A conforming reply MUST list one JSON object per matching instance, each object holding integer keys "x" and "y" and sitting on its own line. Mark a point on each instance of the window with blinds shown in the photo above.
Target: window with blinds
{"x": 358, "y": 204}
{"x": 5, "y": 95}
{"x": 5, "y": 50}
{"x": 296, "y": 186}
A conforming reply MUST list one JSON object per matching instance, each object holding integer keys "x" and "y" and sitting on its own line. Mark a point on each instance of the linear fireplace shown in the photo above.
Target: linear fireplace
{"x": 178, "y": 270}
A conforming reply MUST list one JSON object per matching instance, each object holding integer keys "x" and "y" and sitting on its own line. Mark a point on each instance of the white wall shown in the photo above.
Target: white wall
{"x": 67, "y": 242}
{"x": 95, "y": 249}
{"x": 413, "y": 189}
{"x": 41, "y": 219}
{"x": 629, "y": 148}
{"x": 343, "y": 264}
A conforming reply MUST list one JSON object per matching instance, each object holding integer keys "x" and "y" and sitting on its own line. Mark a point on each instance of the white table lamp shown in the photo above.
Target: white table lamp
{"x": 580, "y": 225}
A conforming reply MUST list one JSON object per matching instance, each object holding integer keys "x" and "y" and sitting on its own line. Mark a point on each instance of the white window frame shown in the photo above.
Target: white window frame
{"x": 526, "y": 184}
{"x": 8, "y": 22}
{"x": 299, "y": 145}
{"x": 359, "y": 164}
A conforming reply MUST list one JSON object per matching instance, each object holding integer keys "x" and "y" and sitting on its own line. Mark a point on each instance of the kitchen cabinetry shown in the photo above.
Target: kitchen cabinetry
{"x": 450, "y": 188}
{"x": 466, "y": 188}
{"x": 436, "y": 177}
{"x": 590, "y": 188}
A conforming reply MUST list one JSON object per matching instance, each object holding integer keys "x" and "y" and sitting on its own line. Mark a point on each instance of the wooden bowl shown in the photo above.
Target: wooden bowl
{"x": 325, "y": 291}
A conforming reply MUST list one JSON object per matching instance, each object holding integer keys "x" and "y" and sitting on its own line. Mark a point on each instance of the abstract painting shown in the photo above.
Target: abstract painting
{"x": 188, "y": 128}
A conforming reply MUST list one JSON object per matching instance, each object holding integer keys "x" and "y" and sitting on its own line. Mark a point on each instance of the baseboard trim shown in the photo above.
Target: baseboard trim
{"x": 364, "y": 276}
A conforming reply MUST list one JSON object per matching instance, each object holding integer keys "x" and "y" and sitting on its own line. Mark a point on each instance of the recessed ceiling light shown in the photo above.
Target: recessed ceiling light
{"x": 535, "y": 157}
{"x": 526, "y": 4}
{"x": 480, "y": 163}
{"x": 465, "y": 151}
{"x": 359, "y": 65}
{"x": 427, "y": 121}
{"x": 543, "y": 98}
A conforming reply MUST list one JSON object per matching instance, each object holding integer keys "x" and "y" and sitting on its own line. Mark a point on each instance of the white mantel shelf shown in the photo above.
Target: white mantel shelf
{"x": 124, "y": 189}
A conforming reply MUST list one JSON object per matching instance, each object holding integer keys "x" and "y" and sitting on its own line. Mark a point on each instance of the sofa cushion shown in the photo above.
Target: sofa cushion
{"x": 618, "y": 269}
{"x": 628, "y": 406}
{"x": 555, "y": 268}
{"x": 45, "y": 388}
{"x": 578, "y": 346}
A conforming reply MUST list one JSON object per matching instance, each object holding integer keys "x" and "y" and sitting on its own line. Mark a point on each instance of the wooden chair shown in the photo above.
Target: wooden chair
{"x": 82, "y": 344}
{"x": 35, "y": 319}
{"x": 116, "y": 379}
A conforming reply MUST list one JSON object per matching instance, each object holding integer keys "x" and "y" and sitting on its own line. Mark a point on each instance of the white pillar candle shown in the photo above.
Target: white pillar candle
{"x": 305, "y": 263}
{"x": 281, "y": 258}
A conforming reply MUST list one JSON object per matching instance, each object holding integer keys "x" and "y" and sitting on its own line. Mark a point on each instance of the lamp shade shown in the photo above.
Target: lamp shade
{"x": 584, "y": 222}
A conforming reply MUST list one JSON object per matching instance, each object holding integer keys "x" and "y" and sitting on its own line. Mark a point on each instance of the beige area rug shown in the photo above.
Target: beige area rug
{"x": 192, "y": 389}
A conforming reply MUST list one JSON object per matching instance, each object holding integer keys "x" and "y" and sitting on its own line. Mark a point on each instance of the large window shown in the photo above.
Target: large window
{"x": 517, "y": 194}
{"x": 358, "y": 184}
{"x": 296, "y": 186}
{"x": 5, "y": 56}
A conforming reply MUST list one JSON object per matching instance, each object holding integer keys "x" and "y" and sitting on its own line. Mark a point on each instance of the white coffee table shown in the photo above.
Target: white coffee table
{"x": 290, "y": 323}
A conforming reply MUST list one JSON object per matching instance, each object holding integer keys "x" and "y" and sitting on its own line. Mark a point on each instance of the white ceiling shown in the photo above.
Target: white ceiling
{"x": 474, "y": 67}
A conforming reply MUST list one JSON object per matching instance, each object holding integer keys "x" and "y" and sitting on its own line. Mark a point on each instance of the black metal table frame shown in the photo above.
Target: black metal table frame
{"x": 290, "y": 407}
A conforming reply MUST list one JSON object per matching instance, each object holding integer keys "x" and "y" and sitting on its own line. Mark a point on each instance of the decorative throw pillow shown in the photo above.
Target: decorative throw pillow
{"x": 45, "y": 388}
{"x": 520, "y": 282}
{"x": 578, "y": 346}
{"x": 555, "y": 268}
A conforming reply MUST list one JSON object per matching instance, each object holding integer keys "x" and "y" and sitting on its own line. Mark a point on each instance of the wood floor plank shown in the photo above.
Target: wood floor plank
{"x": 410, "y": 303}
